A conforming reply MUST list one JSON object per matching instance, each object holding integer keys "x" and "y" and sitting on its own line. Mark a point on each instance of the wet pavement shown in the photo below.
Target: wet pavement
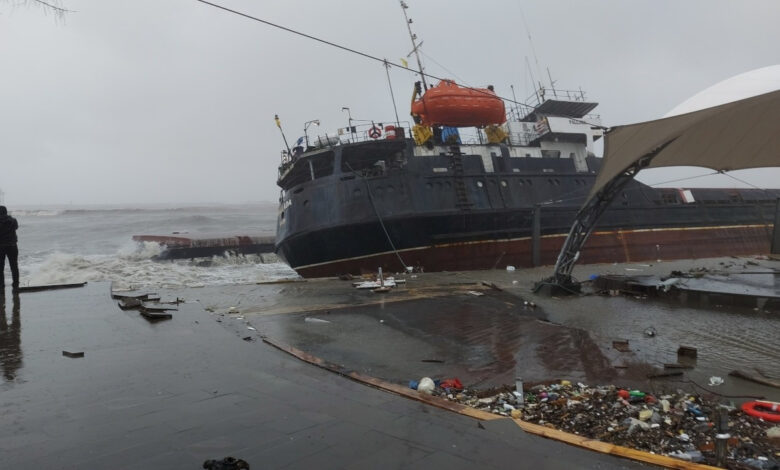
{"x": 174, "y": 393}
{"x": 433, "y": 326}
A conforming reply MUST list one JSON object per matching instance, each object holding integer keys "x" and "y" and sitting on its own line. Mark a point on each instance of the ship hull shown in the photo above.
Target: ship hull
{"x": 602, "y": 247}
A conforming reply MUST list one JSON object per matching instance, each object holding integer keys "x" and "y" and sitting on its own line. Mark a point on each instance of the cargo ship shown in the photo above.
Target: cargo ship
{"x": 426, "y": 195}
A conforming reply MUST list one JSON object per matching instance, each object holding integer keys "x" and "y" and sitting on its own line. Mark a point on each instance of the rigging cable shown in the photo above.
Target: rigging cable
{"x": 564, "y": 197}
{"x": 760, "y": 207}
{"x": 376, "y": 211}
{"x": 345, "y": 48}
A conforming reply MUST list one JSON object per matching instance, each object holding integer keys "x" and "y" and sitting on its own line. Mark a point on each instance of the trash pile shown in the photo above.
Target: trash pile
{"x": 680, "y": 424}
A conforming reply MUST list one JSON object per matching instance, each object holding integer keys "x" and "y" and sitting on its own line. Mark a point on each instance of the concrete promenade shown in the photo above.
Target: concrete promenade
{"x": 172, "y": 394}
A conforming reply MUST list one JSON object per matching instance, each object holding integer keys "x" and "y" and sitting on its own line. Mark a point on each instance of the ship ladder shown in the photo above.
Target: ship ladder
{"x": 460, "y": 186}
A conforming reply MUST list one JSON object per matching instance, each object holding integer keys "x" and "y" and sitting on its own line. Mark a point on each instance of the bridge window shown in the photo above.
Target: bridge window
{"x": 669, "y": 198}
{"x": 322, "y": 164}
{"x": 367, "y": 155}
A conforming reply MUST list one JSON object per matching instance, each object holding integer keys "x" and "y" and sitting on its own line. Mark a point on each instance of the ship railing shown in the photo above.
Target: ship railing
{"x": 542, "y": 94}
{"x": 373, "y": 131}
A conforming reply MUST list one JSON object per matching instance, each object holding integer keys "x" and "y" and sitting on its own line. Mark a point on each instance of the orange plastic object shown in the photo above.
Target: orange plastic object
{"x": 448, "y": 104}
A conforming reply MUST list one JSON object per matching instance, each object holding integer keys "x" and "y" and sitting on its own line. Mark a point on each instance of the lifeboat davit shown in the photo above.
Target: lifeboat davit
{"x": 448, "y": 104}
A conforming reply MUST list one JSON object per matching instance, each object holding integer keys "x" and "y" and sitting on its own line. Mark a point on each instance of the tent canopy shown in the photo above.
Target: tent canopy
{"x": 737, "y": 135}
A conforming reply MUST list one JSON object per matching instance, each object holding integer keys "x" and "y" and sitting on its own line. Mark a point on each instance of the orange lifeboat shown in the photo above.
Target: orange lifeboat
{"x": 448, "y": 104}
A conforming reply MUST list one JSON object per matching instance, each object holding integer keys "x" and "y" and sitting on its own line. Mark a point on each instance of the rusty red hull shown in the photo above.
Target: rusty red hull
{"x": 602, "y": 247}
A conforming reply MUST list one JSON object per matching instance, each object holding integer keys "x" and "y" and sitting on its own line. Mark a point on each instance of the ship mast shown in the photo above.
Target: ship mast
{"x": 415, "y": 46}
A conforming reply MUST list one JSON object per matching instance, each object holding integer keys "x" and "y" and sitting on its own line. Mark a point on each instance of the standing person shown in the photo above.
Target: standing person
{"x": 8, "y": 248}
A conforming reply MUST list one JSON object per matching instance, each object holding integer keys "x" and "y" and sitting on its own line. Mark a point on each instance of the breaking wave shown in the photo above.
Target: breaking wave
{"x": 132, "y": 267}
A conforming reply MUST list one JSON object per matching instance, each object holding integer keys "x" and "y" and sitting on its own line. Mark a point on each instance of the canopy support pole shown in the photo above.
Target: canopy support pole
{"x": 561, "y": 281}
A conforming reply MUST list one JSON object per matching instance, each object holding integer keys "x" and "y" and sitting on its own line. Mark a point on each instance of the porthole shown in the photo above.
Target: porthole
{"x": 480, "y": 184}
{"x": 503, "y": 183}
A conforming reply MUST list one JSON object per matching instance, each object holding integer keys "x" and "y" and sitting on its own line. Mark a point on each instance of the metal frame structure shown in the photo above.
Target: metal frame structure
{"x": 586, "y": 221}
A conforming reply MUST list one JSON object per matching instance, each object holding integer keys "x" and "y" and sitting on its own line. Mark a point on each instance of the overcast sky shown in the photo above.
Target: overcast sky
{"x": 151, "y": 101}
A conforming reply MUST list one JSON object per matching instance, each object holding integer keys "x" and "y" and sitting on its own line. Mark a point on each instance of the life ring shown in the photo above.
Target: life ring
{"x": 766, "y": 410}
{"x": 375, "y": 132}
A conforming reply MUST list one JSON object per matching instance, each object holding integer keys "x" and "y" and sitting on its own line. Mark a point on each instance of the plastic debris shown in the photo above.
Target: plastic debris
{"x": 426, "y": 385}
{"x": 451, "y": 383}
{"x": 510, "y": 268}
{"x": 314, "y": 320}
{"x": 677, "y": 424}
{"x": 715, "y": 381}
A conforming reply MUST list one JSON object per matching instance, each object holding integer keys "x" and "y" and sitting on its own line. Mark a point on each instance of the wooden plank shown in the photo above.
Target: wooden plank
{"x": 50, "y": 287}
{"x": 607, "y": 448}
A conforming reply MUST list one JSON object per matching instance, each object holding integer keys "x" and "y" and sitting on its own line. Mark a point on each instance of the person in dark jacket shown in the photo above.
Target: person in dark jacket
{"x": 8, "y": 248}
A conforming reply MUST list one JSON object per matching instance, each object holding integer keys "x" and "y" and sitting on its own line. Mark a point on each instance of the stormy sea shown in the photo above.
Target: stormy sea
{"x": 94, "y": 243}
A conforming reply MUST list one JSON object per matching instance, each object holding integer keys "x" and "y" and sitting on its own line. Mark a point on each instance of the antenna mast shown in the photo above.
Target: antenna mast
{"x": 415, "y": 46}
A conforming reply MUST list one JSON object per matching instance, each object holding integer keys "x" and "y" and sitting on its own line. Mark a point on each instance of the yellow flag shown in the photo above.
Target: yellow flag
{"x": 405, "y": 63}
{"x": 278, "y": 123}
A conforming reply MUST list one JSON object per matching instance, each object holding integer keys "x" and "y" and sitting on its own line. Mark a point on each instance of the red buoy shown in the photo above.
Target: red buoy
{"x": 766, "y": 410}
{"x": 448, "y": 104}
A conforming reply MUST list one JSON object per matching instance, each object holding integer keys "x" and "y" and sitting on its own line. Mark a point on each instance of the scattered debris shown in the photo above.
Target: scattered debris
{"x": 715, "y": 381}
{"x": 475, "y": 293}
{"x": 130, "y": 303}
{"x": 677, "y": 366}
{"x": 510, "y": 268}
{"x": 157, "y": 307}
{"x": 650, "y": 332}
{"x": 228, "y": 463}
{"x": 677, "y": 424}
{"x": 148, "y": 305}
{"x": 663, "y": 375}
{"x": 154, "y": 316}
{"x": 73, "y": 355}
{"x": 687, "y": 351}
{"x": 621, "y": 345}
{"x": 388, "y": 282}
{"x": 313, "y": 320}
